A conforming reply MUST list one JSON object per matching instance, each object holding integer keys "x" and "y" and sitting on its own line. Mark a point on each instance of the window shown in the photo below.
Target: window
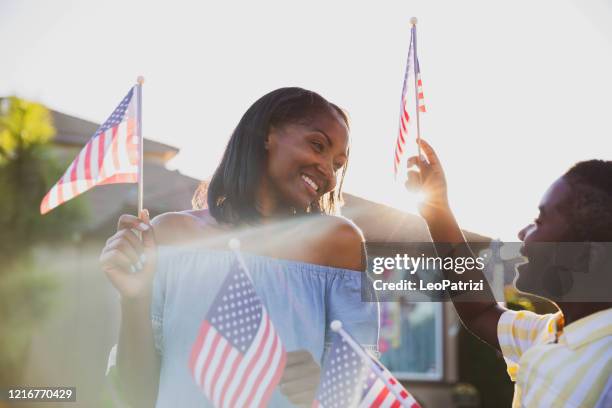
{"x": 411, "y": 339}
{"x": 411, "y": 333}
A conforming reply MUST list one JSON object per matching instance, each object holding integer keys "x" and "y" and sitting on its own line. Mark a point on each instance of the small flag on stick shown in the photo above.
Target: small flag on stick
{"x": 111, "y": 156}
{"x": 354, "y": 378}
{"x": 413, "y": 71}
{"x": 238, "y": 358}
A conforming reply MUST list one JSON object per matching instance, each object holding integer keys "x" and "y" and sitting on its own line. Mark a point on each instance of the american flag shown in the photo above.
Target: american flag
{"x": 349, "y": 381}
{"x": 237, "y": 359}
{"x": 404, "y": 121}
{"x": 111, "y": 156}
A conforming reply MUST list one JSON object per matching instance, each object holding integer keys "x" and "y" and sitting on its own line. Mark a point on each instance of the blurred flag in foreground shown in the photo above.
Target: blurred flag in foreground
{"x": 357, "y": 379}
{"x": 237, "y": 359}
{"x": 412, "y": 80}
{"x": 111, "y": 156}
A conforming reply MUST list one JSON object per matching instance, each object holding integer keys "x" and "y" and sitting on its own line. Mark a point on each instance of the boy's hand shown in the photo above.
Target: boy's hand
{"x": 429, "y": 180}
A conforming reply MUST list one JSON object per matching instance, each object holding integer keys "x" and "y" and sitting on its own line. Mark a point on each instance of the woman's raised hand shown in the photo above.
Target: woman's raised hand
{"x": 129, "y": 261}
{"x": 429, "y": 180}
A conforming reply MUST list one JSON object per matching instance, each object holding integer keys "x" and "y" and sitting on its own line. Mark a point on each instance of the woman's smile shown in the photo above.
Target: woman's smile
{"x": 311, "y": 184}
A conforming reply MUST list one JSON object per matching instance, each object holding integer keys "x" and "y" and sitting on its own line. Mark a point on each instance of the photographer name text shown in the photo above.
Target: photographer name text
{"x": 445, "y": 284}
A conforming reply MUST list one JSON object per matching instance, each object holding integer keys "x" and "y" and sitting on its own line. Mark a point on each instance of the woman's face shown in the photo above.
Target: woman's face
{"x": 304, "y": 160}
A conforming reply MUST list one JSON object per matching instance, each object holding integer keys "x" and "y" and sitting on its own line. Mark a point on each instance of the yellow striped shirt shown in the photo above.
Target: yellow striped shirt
{"x": 555, "y": 366}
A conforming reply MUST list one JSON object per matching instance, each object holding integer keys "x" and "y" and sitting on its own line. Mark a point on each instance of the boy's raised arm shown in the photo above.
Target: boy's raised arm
{"x": 478, "y": 311}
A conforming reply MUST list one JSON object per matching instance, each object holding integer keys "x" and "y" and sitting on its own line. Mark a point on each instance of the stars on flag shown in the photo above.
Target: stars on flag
{"x": 238, "y": 358}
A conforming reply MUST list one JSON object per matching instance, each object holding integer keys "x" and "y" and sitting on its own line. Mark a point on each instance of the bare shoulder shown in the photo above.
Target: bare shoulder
{"x": 342, "y": 243}
{"x": 338, "y": 226}
{"x": 181, "y": 226}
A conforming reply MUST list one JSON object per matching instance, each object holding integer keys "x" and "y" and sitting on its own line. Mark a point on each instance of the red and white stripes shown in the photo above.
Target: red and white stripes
{"x": 402, "y": 135}
{"x": 420, "y": 97}
{"x": 111, "y": 156}
{"x": 412, "y": 74}
{"x": 230, "y": 379}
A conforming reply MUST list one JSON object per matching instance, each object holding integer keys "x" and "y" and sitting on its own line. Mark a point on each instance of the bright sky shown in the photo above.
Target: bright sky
{"x": 516, "y": 91}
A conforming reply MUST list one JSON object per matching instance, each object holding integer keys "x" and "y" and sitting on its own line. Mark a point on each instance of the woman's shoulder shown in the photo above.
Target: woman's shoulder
{"x": 327, "y": 240}
{"x": 340, "y": 241}
{"x": 340, "y": 226}
{"x": 181, "y": 226}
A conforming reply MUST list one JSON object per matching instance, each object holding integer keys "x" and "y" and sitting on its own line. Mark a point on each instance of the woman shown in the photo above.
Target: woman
{"x": 277, "y": 189}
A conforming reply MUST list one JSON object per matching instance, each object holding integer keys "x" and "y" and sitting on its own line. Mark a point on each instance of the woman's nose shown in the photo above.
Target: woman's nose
{"x": 327, "y": 170}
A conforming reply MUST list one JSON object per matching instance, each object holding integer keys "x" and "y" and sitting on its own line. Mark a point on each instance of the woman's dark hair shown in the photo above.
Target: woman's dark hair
{"x": 589, "y": 207}
{"x": 232, "y": 189}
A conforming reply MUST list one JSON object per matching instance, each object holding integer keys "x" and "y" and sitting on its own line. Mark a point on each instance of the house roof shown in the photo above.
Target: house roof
{"x": 75, "y": 131}
{"x": 383, "y": 224}
{"x": 164, "y": 190}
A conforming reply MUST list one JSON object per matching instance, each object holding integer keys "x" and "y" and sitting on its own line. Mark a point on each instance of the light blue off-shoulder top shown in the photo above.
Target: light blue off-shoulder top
{"x": 301, "y": 299}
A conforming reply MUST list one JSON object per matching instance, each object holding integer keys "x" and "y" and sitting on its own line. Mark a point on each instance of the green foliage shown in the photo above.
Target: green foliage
{"x": 26, "y": 296}
{"x": 23, "y": 125}
{"x": 27, "y": 171}
{"x": 485, "y": 369}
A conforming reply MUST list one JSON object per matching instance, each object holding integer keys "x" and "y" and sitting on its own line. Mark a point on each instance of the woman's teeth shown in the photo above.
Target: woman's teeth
{"x": 309, "y": 181}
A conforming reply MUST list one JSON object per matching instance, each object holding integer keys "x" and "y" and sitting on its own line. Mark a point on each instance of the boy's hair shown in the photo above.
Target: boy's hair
{"x": 589, "y": 208}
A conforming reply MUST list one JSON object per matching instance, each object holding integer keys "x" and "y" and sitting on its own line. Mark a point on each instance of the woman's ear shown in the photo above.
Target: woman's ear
{"x": 271, "y": 134}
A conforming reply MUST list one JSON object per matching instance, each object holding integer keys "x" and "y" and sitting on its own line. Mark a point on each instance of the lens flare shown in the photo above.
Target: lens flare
{"x": 420, "y": 196}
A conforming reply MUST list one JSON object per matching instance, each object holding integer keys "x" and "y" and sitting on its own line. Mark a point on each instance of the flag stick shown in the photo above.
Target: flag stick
{"x": 413, "y": 21}
{"x": 234, "y": 245}
{"x": 140, "y": 81}
{"x": 336, "y": 326}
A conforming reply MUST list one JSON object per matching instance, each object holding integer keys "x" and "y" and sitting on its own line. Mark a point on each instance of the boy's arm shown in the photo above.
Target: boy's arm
{"x": 478, "y": 311}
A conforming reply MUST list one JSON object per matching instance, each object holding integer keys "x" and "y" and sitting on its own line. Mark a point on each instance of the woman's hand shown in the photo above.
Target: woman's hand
{"x": 127, "y": 260}
{"x": 430, "y": 181}
{"x": 300, "y": 379}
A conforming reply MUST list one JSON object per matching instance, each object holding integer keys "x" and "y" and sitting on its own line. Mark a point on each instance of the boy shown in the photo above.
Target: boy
{"x": 555, "y": 360}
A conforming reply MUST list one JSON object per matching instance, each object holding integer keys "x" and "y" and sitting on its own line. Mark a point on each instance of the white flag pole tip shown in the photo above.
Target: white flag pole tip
{"x": 140, "y": 80}
{"x": 413, "y": 21}
{"x": 234, "y": 244}
{"x": 336, "y": 325}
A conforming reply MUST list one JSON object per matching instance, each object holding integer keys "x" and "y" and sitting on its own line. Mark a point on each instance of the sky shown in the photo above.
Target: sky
{"x": 516, "y": 91}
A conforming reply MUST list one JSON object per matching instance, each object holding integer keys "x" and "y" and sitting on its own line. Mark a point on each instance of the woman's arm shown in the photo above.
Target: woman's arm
{"x": 138, "y": 363}
{"x": 129, "y": 262}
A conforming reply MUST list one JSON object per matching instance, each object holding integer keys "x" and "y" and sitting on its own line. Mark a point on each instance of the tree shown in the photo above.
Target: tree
{"x": 27, "y": 171}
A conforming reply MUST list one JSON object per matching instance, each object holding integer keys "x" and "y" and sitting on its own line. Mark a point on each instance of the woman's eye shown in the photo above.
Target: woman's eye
{"x": 318, "y": 146}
